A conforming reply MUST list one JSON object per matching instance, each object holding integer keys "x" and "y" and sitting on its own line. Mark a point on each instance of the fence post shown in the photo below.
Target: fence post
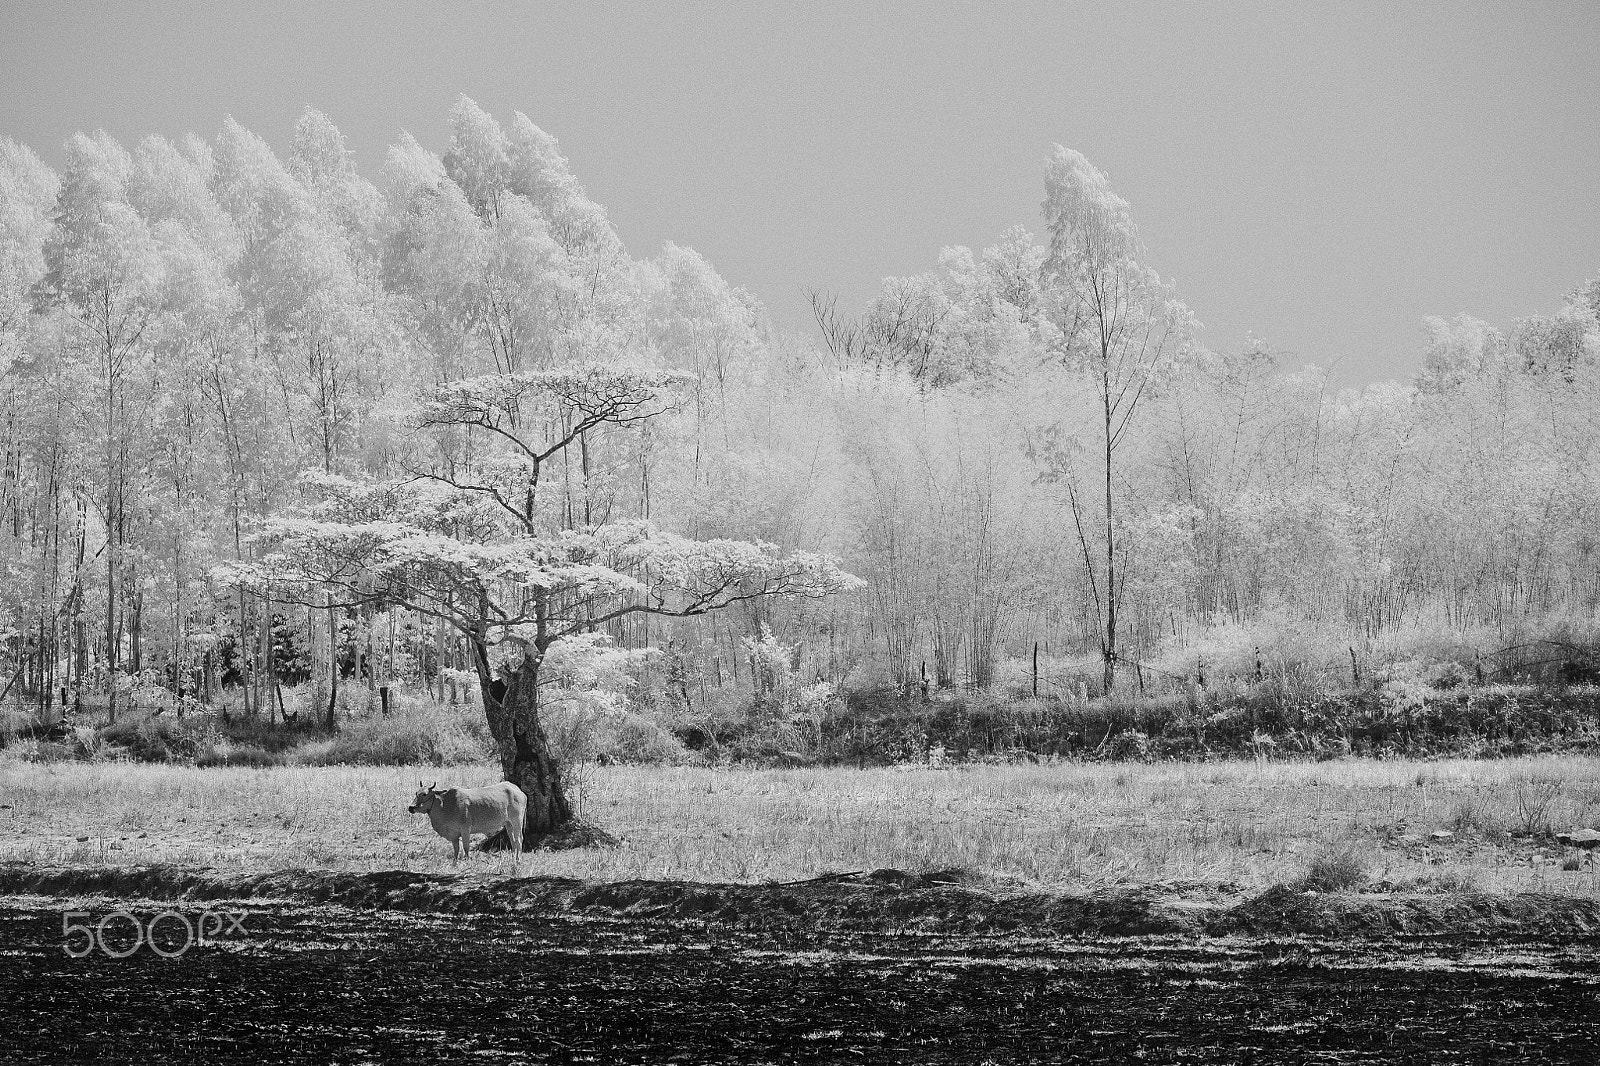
{"x": 1355, "y": 668}
{"x": 1036, "y": 669}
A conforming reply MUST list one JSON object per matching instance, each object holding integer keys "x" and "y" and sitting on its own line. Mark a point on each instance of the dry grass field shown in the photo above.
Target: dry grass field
{"x": 1208, "y": 827}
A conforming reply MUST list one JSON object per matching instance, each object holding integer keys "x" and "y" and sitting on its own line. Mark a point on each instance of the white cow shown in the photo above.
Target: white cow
{"x": 457, "y": 813}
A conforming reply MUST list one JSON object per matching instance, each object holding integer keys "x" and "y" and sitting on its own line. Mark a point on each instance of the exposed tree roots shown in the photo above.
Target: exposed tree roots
{"x": 575, "y": 834}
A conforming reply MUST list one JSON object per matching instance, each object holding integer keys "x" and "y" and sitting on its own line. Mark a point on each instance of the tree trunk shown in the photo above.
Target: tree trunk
{"x": 439, "y": 661}
{"x": 1110, "y": 646}
{"x": 333, "y": 667}
{"x": 242, "y": 647}
{"x": 512, "y": 707}
{"x": 111, "y": 633}
{"x": 136, "y": 632}
{"x": 269, "y": 672}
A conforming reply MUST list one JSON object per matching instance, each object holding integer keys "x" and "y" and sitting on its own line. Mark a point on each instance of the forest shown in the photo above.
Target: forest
{"x": 1019, "y": 477}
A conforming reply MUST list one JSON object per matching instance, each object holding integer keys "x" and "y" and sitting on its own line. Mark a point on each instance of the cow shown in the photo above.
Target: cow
{"x": 457, "y": 813}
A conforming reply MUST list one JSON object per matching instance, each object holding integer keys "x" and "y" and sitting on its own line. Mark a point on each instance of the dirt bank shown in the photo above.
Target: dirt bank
{"x": 944, "y": 902}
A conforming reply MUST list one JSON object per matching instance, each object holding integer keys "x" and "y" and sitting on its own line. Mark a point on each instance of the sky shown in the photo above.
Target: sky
{"x": 1320, "y": 176}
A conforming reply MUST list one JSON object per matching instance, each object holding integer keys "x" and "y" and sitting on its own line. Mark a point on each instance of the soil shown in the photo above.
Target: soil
{"x": 885, "y": 967}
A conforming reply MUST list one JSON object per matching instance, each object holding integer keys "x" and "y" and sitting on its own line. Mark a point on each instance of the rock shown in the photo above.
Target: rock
{"x": 1441, "y": 835}
{"x": 115, "y": 846}
{"x": 1582, "y": 838}
{"x": 83, "y": 840}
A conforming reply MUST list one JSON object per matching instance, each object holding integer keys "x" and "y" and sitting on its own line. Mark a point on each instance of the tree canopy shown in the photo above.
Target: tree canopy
{"x": 273, "y": 422}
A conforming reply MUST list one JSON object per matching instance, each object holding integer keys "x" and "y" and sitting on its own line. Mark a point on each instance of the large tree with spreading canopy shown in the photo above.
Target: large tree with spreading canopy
{"x": 468, "y": 539}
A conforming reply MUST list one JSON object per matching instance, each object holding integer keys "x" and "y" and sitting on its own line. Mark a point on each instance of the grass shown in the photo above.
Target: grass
{"x": 1234, "y": 826}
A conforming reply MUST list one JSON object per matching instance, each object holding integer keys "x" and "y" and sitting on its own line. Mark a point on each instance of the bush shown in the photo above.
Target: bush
{"x": 1287, "y": 644}
{"x": 417, "y": 733}
{"x": 11, "y": 724}
{"x": 639, "y": 740}
{"x": 1075, "y": 678}
{"x": 1335, "y": 869}
{"x": 226, "y": 753}
{"x": 152, "y": 739}
{"x": 1472, "y": 813}
{"x": 1130, "y": 746}
{"x": 262, "y": 733}
{"x": 1535, "y": 799}
{"x": 584, "y": 731}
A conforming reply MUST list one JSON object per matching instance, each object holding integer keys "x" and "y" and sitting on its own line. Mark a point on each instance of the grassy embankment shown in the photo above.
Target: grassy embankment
{"x": 1221, "y": 827}
{"x": 1229, "y": 720}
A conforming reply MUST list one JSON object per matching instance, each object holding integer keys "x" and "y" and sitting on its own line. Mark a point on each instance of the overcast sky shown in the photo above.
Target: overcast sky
{"x": 1322, "y": 176}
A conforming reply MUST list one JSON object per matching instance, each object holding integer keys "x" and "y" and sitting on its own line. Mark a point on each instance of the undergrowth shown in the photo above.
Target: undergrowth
{"x": 1272, "y": 720}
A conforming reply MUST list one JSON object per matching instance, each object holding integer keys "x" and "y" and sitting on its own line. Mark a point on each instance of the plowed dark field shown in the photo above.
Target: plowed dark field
{"x": 320, "y": 983}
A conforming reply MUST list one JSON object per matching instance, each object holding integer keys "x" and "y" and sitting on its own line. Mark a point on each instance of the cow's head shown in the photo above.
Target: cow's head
{"x": 428, "y": 797}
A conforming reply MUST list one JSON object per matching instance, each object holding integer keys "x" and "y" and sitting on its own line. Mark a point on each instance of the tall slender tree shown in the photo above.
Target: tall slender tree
{"x": 1119, "y": 325}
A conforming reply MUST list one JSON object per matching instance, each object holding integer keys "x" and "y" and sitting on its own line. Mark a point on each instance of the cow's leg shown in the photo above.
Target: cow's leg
{"x": 514, "y": 831}
{"x": 455, "y": 848}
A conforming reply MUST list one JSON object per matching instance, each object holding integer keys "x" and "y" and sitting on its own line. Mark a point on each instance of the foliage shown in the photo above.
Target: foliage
{"x": 1338, "y": 868}
{"x": 187, "y": 327}
{"x": 416, "y": 734}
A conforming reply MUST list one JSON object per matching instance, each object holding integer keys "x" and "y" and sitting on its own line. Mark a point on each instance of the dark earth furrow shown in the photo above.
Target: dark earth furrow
{"x": 333, "y": 984}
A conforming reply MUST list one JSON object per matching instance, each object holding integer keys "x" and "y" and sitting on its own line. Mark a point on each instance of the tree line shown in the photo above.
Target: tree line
{"x": 1025, "y": 447}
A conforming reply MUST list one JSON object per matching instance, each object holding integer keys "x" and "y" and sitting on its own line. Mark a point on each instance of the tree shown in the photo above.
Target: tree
{"x": 1459, "y": 351}
{"x": 27, "y": 199}
{"x": 469, "y": 540}
{"x": 1559, "y": 343}
{"x": 1118, "y": 324}
{"x": 107, "y": 274}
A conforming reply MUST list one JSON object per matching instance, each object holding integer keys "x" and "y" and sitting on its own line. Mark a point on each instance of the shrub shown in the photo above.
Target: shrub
{"x": 1472, "y": 812}
{"x": 152, "y": 739}
{"x": 1335, "y": 869}
{"x": 1060, "y": 678}
{"x": 640, "y": 740}
{"x": 224, "y": 752}
{"x": 263, "y": 733}
{"x": 582, "y": 731}
{"x": 417, "y": 733}
{"x": 12, "y": 723}
{"x": 1131, "y": 745}
{"x": 1286, "y": 644}
{"x": 87, "y": 743}
{"x": 1535, "y": 797}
